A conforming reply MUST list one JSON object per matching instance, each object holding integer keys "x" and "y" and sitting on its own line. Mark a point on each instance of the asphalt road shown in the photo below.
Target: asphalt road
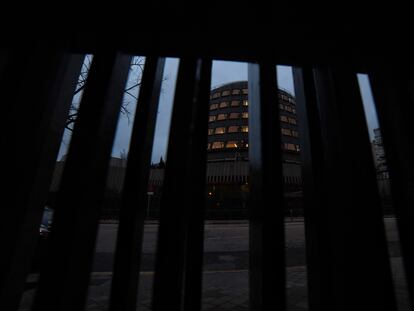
{"x": 225, "y": 245}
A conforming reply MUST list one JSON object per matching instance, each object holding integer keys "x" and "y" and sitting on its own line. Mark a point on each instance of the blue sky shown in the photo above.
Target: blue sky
{"x": 369, "y": 106}
{"x": 222, "y": 72}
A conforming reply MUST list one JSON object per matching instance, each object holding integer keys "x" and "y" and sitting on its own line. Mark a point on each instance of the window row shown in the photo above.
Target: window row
{"x": 233, "y": 103}
{"x": 287, "y": 108}
{"x": 244, "y": 91}
{"x": 290, "y": 147}
{"x": 245, "y": 129}
{"x": 289, "y": 132}
{"x": 245, "y": 103}
{"x": 229, "y": 129}
{"x": 242, "y": 144}
{"x": 288, "y": 120}
{"x": 287, "y": 98}
{"x": 230, "y": 144}
{"x": 225, "y": 116}
{"x": 244, "y": 115}
{"x": 229, "y": 92}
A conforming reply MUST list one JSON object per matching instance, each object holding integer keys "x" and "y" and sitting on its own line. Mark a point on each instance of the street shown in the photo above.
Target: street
{"x": 225, "y": 282}
{"x": 226, "y": 245}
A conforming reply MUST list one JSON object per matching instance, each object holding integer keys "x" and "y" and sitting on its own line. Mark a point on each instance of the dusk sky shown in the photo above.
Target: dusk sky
{"x": 223, "y": 72}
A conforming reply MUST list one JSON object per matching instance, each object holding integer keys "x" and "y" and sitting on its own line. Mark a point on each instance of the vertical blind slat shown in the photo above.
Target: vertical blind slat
{"x": 267, "y": 243}
{"x": 35, "y": 125}
{"x": 134, "y": 196}
{"x": 181, "y": 187}
{"x": 64, "y": 281}
{"x": 357, "y": 247}
{"x": 392, "y": 88}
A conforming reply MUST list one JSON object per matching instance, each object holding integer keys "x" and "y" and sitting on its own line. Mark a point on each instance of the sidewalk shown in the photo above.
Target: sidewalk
{"x": 210, "y": 221}
{"x": 222, "y": 290}
{"x": 228, "y": 290}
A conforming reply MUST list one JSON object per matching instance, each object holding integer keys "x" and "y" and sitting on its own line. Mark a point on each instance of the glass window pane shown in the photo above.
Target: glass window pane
{"x": 231, "y": 144}
{"x": 220, "y": 130}
{"x": 217, "y": 145}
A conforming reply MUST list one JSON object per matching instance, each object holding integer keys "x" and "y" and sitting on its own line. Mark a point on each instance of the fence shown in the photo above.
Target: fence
{"x": 347, "y": 259}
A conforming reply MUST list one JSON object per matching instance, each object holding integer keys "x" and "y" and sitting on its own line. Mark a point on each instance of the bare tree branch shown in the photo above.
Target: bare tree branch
{"x": 79, "y": 89}
{"x": 133, "y": 86}
{"x": 136, "y": 69}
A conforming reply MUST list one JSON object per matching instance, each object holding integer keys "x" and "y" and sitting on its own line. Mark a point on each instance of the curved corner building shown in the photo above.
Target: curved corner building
{"x": 228, "y": 142}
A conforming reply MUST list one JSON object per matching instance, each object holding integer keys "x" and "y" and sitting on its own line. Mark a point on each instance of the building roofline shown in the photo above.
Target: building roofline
{"x": 218, "y": 86}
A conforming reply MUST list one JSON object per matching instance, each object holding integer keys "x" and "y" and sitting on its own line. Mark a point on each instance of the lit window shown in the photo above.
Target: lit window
{"x": 208, "y": 146}
{"x": 245, "y": 115}
{"x": 245, "y": 102}
{"x": 220, "y": 130}
{"x": 217, "y": 145}
{"x": 225, "y": 93}
{"x": 221, "y": 116}
{"x": 233, "y": 129}
{"x": 235, "y": 103}
{"x": 244, "y": 91}
{"x": 288, "y": 108}
{"x": 215, "y": 95}
{"x": 211, "y": 118}
{"x": 235, "y": 92}
{"x": 245, "y": 129}
{"x": 292, "y": 121}
{"x": 286, "y": 132}
{"x": 224, "y": 104}
{"x": 290, "y": 147}
{"x": 213, "y": 106}
{"x": 234, "y": 115}
{"x": 210, "y": 131}
{"x": 283, "y": 118}
{"x": 231, "y": 144}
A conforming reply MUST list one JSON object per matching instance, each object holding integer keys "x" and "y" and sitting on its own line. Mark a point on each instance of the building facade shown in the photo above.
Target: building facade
{"x": 228, "y": 142}
{"x": 227, "y": 175}
{"x": 381, "y": 167}
{"x": 228, "y": 124}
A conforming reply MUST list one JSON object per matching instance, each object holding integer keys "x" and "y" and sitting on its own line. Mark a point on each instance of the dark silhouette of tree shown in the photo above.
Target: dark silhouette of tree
{"x": 123, "y": 155}
{"x": 161, "y": 164}
{"x": 134, "y": 81}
